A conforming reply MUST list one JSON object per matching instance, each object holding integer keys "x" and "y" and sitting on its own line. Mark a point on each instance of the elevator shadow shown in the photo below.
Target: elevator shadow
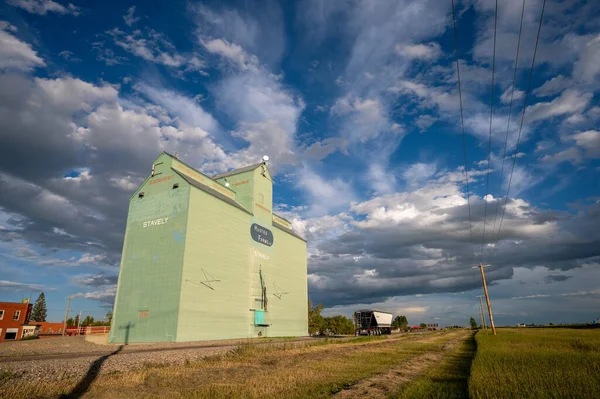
{"x": 94, "y": 370}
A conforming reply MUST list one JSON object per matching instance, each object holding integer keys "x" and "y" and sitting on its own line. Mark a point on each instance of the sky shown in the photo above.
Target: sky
{"x": 357, "y": 105}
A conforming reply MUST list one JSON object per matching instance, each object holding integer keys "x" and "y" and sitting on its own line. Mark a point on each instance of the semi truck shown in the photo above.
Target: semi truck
{"x": 372, "y": 322}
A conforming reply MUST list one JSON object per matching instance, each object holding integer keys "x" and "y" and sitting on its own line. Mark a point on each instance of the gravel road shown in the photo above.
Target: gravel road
{"x": 59, "y": 358}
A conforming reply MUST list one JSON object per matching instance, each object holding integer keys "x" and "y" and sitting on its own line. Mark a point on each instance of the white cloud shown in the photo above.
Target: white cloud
{"x": 6, "y": 285}
{"x": 105, "y": 296}
{"x": 516, "y": 95}
{"x": 569, "y": 102}
{"x": 419, "y": 172}
{"x": 15, "y": 54}
{"x": 365, "y": 118}
{"x": 68, "y": 55}
{"x": 589, "y": 141}
{"x": 129, "y": 18}
{"x": 154, "y": 47}
{"x": 125, "y": 183}
{"x": 572, "y": 155}
{"x": 587, "y": 67}
{"x": 184, "y": 108}
{"x": 325, "y": 195}
{"x": 425, "y": 121}
{"x": 231, "y": 51}
{"x": 553, "y": 86}
{"x": 42, "y": 7}
{"x": 429, "y": 51}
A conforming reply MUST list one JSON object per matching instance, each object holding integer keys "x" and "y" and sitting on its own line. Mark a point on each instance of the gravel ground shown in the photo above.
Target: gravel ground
{"x": 59, "y": 358}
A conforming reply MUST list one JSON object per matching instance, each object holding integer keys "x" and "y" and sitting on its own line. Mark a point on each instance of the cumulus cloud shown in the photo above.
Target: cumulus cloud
{"x": 418, "y": 242}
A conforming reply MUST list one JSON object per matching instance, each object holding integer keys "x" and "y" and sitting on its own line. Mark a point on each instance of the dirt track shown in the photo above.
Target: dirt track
{"x": 384, "y": 384}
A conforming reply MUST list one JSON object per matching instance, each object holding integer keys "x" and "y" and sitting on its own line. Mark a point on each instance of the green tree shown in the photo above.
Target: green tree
{"x": 76, "y": 321}
{"x": 400, "y": 322}
{"x": 39, "y": 311}
{"x": 338, "y": 325}
{"x": 473, "y": 324}
{"x": 109, "y": 317}
{"x": 423, "y": 325}
{"x": 70, "y": 322}
{"x": 88, "y": 321}
{"x": 315, "y": 320}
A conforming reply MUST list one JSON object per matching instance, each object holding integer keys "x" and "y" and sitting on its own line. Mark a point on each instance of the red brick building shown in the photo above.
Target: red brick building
{"x": 14, "y": 320}
{"x": 48, "y": 329}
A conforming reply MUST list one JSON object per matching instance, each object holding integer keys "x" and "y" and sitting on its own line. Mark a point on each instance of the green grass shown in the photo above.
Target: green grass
{"x": 449, "y": 379}
{"x": 536, "y": 363}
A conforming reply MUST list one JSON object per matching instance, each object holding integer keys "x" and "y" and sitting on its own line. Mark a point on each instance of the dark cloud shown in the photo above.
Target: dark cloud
{"x": 552, "y": 278}
{"x": 97, "y": 280}
{"x": 407, "y": 244}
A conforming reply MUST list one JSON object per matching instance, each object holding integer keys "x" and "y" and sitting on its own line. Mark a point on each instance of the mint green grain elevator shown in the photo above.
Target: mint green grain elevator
{"x": 205, "y": 258}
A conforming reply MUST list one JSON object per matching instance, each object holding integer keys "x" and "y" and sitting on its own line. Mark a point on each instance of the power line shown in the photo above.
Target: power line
{"x": 487, "y": 180}
{"x": 512, "y": 92}
{"x": 522, "y": 115}
{"x": 462, "y": 124}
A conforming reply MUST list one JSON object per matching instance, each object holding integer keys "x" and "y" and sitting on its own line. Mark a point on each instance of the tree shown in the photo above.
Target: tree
{"x": 70, "y": 322}
{"x": 400, "y": 322}
{"x": 109, "y": 317}
{"x": 315, "y": 320}
{"x": 76, "y": 321}
{"x": 473, "y": 324}
{"x": 39, "y": 311}
{"x": 88, "y": 321}
{"x": 338, "y": 325}
{"x": 423, "y": 325}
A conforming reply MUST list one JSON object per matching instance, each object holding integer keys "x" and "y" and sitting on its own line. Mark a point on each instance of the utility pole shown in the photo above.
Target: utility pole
{"x": 79, "y": 323}
{"x": 487, "y": 296}
{"x": 66, "y": 316}
{"x": 481, "y": 314}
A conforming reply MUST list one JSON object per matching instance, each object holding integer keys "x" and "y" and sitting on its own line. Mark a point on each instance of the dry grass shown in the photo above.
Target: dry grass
{"x": 536, "y": 363}
{"x": 252, "y": 371}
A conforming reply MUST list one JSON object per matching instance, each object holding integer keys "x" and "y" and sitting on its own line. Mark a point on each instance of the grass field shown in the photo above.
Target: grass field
{"x": 251, "y": 371}
{"x": 517, "y": 363}
{"x": 448, "y": 380}
{"x": 536, "y": 363}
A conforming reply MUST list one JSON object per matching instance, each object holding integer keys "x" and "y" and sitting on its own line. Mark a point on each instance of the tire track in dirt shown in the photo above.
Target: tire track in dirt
{"x": 384, "y": 384}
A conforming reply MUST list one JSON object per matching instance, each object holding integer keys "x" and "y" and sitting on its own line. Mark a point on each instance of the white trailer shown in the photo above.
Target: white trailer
{"x": 372, "y": 322}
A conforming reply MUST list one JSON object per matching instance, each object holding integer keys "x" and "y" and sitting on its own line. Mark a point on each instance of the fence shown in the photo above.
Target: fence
{"x": 87, "y": 330}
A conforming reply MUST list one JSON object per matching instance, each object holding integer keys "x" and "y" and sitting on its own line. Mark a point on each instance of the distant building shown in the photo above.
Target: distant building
{"x": 48, "y": 328}
{"x": 14, "y": 321}
{"x": 433, "y": 327}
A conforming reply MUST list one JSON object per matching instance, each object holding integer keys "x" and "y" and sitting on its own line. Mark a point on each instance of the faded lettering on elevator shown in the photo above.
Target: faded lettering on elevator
{"x": 155, "y": 222}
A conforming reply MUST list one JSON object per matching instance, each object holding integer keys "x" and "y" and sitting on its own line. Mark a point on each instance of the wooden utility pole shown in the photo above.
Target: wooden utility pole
{"x": 481, "y": 313}
{"x": 66, "y": 316}
{"x": 487, "y": 296}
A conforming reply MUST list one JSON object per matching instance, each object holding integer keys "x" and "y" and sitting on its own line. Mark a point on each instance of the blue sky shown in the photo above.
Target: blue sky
{"x": 356, "y": 104}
